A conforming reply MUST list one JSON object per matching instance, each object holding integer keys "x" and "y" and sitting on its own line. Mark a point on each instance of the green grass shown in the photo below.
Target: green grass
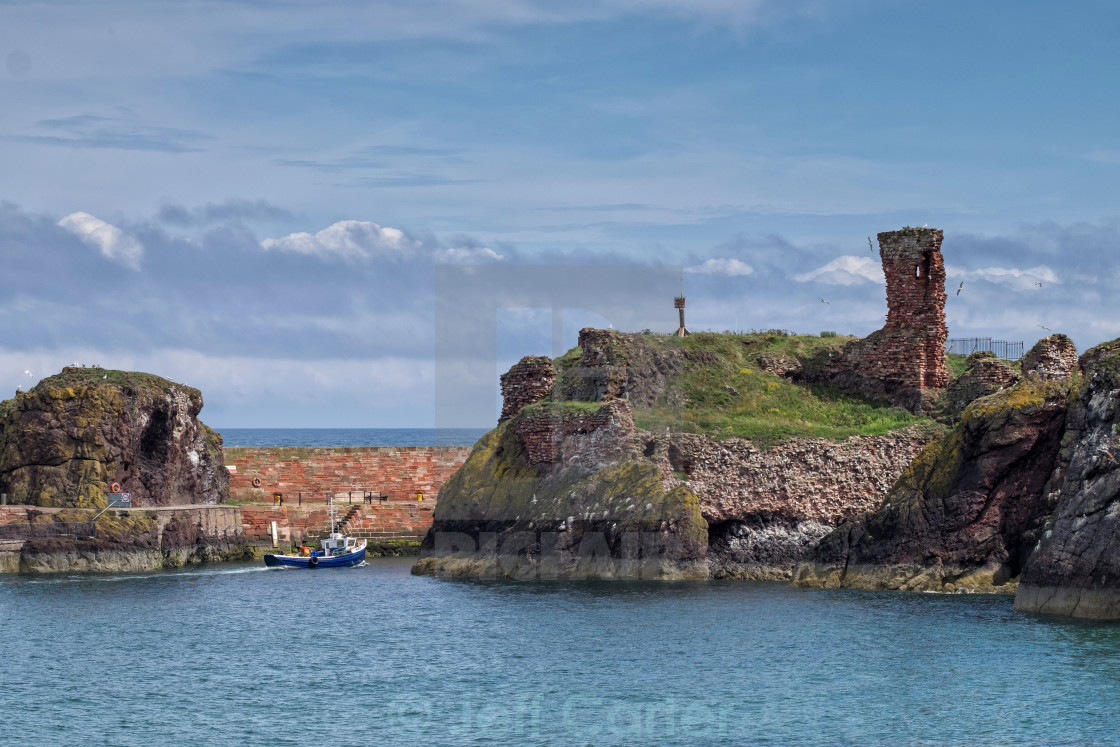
{"x": 726, "y": 395}
{"x": 562, "y": 407}
{"x": 957, "y": 365}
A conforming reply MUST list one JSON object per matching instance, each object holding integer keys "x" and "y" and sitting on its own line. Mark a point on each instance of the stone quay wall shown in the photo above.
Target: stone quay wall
{"x": 310, "y": 523}
{"x": 396, "y": 473}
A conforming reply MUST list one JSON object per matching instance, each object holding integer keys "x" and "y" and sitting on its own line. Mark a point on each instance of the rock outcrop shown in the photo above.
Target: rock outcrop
{"x": 1075, "y": 567}
{"x": 567, "y": 473}
{"x": 964, "y": 514}
{"x": 563, "y": 491}
{"x": 767, "y": 510}
{"x": 122, "y": 541}
{"x": 75, "y": 434}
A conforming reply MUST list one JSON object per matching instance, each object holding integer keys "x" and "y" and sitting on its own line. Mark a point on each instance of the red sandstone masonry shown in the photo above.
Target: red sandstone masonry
{"x": 13, "y": 515}
{"x": 529, "y": 381}
{"x": 397, "y": 472}
{"x": 298, "y": 524}
{"x": 909, "y": 350}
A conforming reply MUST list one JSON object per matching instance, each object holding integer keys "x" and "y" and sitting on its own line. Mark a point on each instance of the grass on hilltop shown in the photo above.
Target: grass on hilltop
{"x": 722, "y": 392}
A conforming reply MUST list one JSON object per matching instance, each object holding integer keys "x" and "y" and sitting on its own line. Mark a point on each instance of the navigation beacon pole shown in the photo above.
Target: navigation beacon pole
{"x": 678, "y": 304}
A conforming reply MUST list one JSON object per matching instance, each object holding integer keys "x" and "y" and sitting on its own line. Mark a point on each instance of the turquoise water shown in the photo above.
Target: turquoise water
{"x": 351, "y": 436}
{"x": 239, "y": 655}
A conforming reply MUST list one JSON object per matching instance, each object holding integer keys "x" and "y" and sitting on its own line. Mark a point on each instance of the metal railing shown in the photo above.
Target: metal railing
{"x": 45, "y": 530}
{"x": 1008, "y": 351}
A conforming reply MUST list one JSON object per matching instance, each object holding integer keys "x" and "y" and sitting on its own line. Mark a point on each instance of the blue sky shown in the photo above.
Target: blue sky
{"x": 253, "y": 197}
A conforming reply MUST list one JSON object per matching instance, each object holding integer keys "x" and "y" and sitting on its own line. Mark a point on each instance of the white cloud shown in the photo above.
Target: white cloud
{"x": 468, "y": 254}
{"x": 111, "y": 241}
{"x": 721, "y": 266}
{"x": 1009, "y": 276}
{"x": 845, "y": 270}
{"x": 349, "y": 239}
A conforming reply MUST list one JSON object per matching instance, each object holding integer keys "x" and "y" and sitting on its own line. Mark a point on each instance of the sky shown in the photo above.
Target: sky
{"x": 260, "y": 199}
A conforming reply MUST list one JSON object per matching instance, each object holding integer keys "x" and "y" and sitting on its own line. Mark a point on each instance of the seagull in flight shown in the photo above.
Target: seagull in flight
{"x": 822, "y": 300}
{"x": 959, "y": 287}
{"x": 1045, "y": 328}
{"x": 27, "y": 372}
{"x": 1038, "y": 283}
{"x": 870, "y": 248}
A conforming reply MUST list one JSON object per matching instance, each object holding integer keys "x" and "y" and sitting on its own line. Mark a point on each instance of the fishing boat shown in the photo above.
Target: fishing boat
{"x": 337, "y": 551}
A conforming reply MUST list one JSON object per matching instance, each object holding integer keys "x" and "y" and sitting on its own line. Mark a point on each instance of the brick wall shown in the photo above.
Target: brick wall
{"x": 308, "y": 523}
{"x": 397, "y": 472}
{"x": 909, "y": 351}
{"x": 529, "y": 381}
{"x": 1052, "y": 357}
{"x": 13, "y": 515}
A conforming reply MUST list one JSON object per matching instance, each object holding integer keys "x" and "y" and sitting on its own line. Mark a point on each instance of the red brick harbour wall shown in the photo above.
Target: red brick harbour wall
{"x": 300, "y": 523}
{"x": 396, "y": 472}
{"x": 13, "y": 515}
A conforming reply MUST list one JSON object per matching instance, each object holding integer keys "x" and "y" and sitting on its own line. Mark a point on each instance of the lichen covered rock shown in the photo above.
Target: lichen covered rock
{"x": 561, "y": 491}
{"x": 1075, "y": 567}
{"x": 75, "y": 434}
{"x": 961, "y": 516}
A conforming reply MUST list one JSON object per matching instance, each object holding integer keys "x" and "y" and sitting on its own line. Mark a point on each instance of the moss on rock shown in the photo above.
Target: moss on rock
{"x": 501, "y": 515}
{"x": 72, "y": 437}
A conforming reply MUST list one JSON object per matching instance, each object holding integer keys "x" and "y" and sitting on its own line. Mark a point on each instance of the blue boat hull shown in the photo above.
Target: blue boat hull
{"x": 335, "y": 561}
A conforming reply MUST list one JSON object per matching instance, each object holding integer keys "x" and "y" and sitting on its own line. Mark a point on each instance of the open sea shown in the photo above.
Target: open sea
{"x": 237, "y": 654}
{"x": 351, "y": 436}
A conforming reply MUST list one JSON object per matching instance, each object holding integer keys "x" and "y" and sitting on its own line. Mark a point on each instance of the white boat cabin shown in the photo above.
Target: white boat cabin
{"x": 336, "y": 544}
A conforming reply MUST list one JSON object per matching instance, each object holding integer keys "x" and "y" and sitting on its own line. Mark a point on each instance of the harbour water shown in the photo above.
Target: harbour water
{"x": 237, "y": 654}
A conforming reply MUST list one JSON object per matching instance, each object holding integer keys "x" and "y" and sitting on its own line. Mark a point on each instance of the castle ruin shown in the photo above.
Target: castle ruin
{"x": 908, "y": 354}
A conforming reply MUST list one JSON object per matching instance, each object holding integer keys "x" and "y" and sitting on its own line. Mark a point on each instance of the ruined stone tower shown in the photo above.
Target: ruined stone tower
{"x": 908, "y": 353}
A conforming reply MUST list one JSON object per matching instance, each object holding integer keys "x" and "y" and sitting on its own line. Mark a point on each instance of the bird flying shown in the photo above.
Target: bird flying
{"x": 1045, "y": 328}
{"x": 1038, "y": 283}
{"x": 822, "y": 300}
{"x": 959, "y": 287}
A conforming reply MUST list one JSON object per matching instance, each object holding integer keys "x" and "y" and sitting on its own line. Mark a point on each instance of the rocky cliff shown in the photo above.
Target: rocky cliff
{"x": 562, "y": 490}
{"x": 568, "y": 474}
{"x": 1074, "y": 569}
{"x": 75, "y": 434}
{"x": 71, "y": 540}
{"x": 966, "y": 512}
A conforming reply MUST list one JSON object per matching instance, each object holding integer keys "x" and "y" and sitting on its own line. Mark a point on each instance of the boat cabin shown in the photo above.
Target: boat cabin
{"x": 336, "y": 544}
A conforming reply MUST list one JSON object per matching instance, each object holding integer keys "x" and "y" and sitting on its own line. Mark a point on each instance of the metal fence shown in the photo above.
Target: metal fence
{"x": 52, "y": 529}
{"x": 1009, "y": 351}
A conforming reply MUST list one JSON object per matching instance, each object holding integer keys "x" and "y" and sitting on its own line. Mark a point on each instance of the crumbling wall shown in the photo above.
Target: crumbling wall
{"x": 527, "y": 382}
{"x": 1052, "y": 358}
{"x": 908, "y": 353}
{"x": 555, "y": 434}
